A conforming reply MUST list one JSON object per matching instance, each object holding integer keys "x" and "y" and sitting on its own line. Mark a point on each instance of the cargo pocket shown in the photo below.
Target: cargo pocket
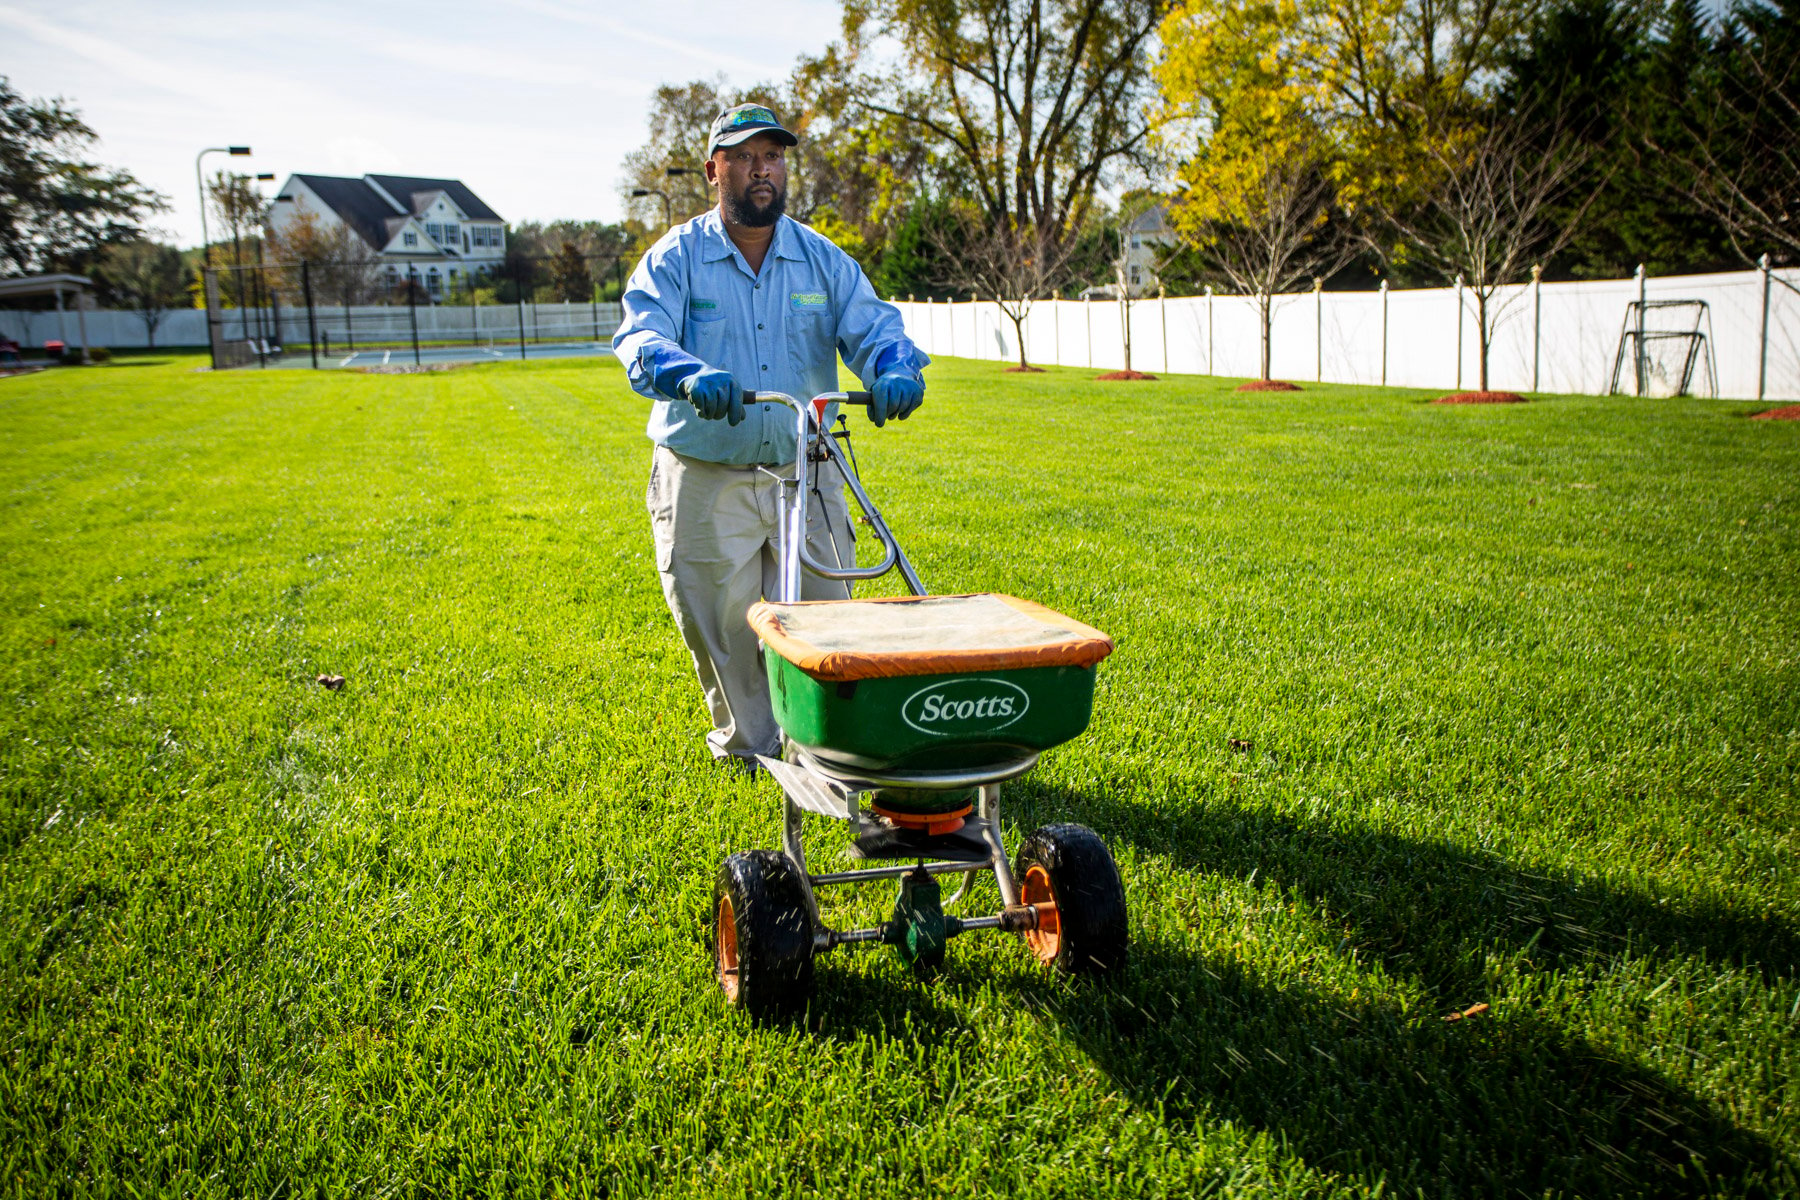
{"x": 661, "y": 519}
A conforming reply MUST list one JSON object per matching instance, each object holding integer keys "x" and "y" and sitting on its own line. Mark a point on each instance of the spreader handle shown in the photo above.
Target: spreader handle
{"x": 752, "y": 396}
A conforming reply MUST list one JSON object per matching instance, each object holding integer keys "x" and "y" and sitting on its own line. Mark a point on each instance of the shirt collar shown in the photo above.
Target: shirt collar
{"x": 716, "y": 244}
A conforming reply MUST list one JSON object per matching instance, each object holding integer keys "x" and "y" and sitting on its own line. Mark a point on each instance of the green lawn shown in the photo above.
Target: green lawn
{"x": 1414, "y": 708}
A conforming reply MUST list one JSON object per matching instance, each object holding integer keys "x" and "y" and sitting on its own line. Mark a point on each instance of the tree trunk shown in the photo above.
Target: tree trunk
{"x": 1018, "y": 323}
{"x": 1481, "y": 333}
{"x": 1264, "y": 304}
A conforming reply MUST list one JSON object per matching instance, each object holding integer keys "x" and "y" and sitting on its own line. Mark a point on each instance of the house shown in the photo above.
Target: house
{"x": 434, "y": 230}
{"x": 1145, "y": 236}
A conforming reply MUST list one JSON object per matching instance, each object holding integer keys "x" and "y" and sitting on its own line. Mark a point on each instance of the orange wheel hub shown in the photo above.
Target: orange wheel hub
{"x": 1046, "y": 940}
{"x": 727, "y": 955}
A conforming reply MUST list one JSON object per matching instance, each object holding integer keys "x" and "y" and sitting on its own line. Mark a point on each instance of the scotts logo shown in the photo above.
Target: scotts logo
{"x": 961, "y": 706}
{"x": 751, "y": 116}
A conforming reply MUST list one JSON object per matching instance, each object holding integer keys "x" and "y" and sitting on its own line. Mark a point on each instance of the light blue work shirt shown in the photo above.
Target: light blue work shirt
{"x": 694, "y": 301}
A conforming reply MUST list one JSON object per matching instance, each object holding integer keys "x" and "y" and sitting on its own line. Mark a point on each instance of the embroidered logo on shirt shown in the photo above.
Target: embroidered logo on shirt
{"x": 703, "y": 306}
{"x": 808, "y": 301}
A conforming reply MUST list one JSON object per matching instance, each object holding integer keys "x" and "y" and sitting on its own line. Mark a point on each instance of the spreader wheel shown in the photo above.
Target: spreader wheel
{"x": 1067, "y": 872}
{"x": 762, "y": 935}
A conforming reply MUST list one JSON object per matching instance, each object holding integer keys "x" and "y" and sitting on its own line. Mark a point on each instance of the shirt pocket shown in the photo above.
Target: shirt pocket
{"x": 706, "y": 335}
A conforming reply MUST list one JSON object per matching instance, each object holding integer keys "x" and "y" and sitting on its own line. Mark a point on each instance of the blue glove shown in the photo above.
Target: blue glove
{"x": 714, "y": 394}
{"x": 895, "y": 396}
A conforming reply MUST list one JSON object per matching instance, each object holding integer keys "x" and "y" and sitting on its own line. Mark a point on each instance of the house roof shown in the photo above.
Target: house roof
{"x": 405, "y": 188}
{"x": 1151, "y": 220}
{"x": 356, "y": 203}
{"x": 360, "y": 203}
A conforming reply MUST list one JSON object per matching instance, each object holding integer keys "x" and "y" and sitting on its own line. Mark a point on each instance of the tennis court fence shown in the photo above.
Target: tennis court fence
{"x": 335, "y": 314}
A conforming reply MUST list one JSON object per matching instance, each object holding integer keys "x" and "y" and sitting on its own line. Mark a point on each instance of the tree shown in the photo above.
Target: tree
{"x": 1482, "y": 219}
{"x": 239, "y": 211}
{"x": 341, "y": 267}
{"x": 1259, "y": 200}
{"x": 1014, "y": 264}
{"x": 1737, "y": 157}
{"x": 1033, "y": 105}
{"x": 569, "y": 275}
{"x": 149, "y": 278}
{"x": 58, "y": 210}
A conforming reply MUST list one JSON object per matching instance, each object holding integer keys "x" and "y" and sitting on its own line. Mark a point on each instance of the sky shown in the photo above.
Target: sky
{"x": 532, "y": 103}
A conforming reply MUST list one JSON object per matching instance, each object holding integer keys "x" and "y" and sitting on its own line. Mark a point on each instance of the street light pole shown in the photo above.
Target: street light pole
{"x": 668, "y": 209}
{"x": 200, "y": 185}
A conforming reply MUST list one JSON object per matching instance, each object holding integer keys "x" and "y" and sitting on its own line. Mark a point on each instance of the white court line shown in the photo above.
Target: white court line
{"x": 350, "y": 359}
{"x": 385, "y": 355}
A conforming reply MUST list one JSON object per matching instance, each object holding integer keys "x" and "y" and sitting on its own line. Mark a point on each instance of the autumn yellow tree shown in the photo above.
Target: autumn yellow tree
{"x": 1259, "y": 162}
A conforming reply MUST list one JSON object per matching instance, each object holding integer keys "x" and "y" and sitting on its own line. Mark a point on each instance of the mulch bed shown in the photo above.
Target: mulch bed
{"x": 1789, "y": 413}
{"x": 1112, "y": 375}
{"x": 1481, "y": 398}
{"x": 1268, "y": 385}
{"x": 1024, "y": 370}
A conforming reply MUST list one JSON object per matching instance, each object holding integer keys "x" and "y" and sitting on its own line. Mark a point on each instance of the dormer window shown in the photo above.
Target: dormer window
{"x": 409, "y": 239}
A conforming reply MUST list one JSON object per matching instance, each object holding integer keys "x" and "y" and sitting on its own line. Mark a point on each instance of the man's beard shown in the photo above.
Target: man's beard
{"x": 743, "y": 211}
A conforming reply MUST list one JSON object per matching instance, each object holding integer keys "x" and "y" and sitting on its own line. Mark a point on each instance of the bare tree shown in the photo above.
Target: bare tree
{"x": 149, "y": 277}
{"x": 1015, "y": 265}
{"x": 1739, "y": 161}
{"x": 1482, "y": 215}
{"x": 1262, "y": 215}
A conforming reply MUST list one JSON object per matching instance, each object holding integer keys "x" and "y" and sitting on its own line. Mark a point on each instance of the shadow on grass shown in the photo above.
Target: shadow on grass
{"x": 1479, "y": 1107}
{"x": 1427, "y": 909}
{"x": 1495, "y": 1105}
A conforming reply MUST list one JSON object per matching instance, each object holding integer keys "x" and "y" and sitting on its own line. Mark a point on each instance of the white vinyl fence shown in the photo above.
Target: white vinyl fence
{"x": 1556, "y": 337}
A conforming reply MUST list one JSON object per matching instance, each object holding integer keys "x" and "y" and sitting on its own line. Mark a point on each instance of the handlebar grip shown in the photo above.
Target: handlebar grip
{"x": 749, "y": 397}
{"x": 863, "y": 398}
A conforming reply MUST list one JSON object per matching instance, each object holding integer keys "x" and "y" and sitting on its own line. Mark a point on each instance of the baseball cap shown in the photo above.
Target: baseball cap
{"x": 746, "y": 121}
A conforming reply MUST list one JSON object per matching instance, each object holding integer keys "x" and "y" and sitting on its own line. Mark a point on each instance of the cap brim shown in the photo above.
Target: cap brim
{"x": 743, "y": 135}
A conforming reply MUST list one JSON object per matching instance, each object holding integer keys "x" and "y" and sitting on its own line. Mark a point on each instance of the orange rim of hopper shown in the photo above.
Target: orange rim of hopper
{"x": 727, "y": 965}
{"x": 927, "y": 823}
{"x": 1046, "y": 940}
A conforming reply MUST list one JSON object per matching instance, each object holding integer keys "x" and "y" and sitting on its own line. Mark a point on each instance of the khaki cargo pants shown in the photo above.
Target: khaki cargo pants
{"x": 715, "y": 530}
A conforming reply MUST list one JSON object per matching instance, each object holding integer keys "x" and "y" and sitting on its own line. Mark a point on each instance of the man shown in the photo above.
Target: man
{"x": 743, "y": 297}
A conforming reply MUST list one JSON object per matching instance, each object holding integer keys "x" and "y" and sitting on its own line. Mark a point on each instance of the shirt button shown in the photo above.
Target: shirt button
{"x": 759, "y": 325}
{"x": 765, "y": 366}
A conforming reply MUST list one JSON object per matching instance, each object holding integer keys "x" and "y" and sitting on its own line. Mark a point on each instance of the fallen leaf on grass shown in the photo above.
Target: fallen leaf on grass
{"x": 1242, "y": 745}
{"x": 1474, "y": 1010}
{"x": 333, "y": 683}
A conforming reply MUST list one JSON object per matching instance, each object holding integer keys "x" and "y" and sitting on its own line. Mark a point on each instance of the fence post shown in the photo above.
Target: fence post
{"x": 1384, "y": 331}
{"x": 312, "y": 323}
{"x": 1318, "y": 330}
{"x": 1209, "y": 330}
{"x": 1056, "y": 329}
{"x": 1762, "y": 354}
{"x": 412, "y": 309}
{"x": 1162, "y": 310}
{"x": 1088, "y": 309}
{"x": 1537, "y": 321}
{"x": 1459, "y": 331}
{"x": 1642, "y": 361}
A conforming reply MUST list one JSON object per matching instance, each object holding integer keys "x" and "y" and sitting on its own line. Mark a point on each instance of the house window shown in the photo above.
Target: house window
{"x": 409, "y": 239}
{"x": 432, "y": 283}
{"x": 465, "y": 243}
{"x": 434, "y": 232}
{"x": 1136, "y": 275}
{"x": 452, "y": 234}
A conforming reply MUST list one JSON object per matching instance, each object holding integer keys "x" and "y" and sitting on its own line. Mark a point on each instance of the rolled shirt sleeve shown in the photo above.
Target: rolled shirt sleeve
{"x": 694, "y": 301}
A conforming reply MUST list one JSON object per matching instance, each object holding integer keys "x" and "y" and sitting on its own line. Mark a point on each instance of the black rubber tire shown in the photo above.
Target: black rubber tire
{"x": 1090, "y": 899}
{"x": 773, "y": 934}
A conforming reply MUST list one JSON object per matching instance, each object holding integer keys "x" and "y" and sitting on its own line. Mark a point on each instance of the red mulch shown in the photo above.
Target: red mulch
{"x": 1024, "y": 370}
{"x": 1790, "y": 413}
{"x": 1481, "y": 398}
{"x": 1112, "y": 375}
{"x": 1268, "y": 385}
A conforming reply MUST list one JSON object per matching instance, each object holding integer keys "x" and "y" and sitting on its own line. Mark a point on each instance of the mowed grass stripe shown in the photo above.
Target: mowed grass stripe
{"x": 1514, "y": 699}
